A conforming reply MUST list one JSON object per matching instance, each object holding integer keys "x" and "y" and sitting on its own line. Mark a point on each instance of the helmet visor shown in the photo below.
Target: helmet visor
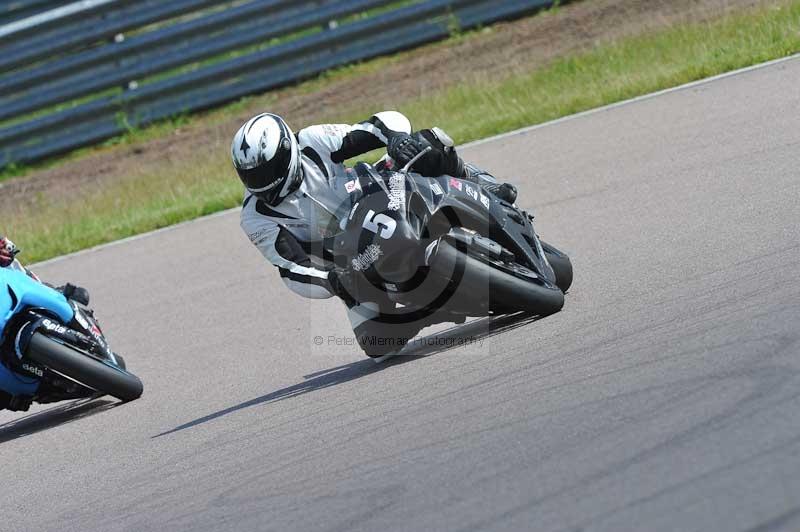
{"x": 267, "y": 179}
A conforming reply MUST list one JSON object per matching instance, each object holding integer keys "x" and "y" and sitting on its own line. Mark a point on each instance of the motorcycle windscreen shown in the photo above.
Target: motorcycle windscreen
{"x": 17, "y": 290}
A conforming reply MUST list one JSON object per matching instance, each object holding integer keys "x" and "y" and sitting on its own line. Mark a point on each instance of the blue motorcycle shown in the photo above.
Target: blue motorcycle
{"x": 52, "y": 349}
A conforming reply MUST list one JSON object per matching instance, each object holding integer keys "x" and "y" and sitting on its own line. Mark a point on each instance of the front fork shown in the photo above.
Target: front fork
{"x": 463, "y": 238}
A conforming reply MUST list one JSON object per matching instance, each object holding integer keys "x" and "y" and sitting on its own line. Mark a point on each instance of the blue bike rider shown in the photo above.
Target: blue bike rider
{"x": 19, "y": 395}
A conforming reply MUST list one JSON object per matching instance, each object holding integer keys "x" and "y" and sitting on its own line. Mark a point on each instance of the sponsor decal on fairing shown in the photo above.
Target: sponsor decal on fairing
{"x": 98, "y": 334}
{"x": 397, "y": 192}
{"x": 352, "y": 186}
{"x": 437, "y": 189}
{"x": 368, "y": 258}
{"x": 455, "y": 183}
{"x": 33, "y": 369}
{"x": 79, "y": 317}
{"x": 54, "y": 327}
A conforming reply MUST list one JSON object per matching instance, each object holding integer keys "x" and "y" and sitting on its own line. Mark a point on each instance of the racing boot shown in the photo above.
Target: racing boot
{"x": 378, "y": 336}
{"x": 505, "y": 191}
{"x": 77, "y": 294}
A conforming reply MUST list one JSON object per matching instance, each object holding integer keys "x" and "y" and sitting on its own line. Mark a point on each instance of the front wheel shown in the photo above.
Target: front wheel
{"x": 84, "y": 369}
{"x": 561, "y": 265}
{"x": 511, "y": 286}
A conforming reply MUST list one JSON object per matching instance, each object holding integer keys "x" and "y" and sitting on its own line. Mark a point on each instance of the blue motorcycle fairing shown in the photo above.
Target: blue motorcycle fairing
{"x": 18, "y": 291}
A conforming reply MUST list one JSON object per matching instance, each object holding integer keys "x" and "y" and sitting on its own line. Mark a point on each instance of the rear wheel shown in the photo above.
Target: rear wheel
{"x": 83, "y": 368}
{"x": 511, "y": 286}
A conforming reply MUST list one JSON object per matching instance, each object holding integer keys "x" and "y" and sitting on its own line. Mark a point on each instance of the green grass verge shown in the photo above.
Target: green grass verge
{"x": 606, "y": 74}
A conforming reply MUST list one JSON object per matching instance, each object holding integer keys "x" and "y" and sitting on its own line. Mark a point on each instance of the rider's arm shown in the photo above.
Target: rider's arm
{"x": 339, "y": 142}
{"x": 280, "y": 248}
{"x": 440, "y": 159}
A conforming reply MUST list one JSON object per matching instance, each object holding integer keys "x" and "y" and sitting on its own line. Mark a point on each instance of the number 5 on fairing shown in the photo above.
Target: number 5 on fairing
{"x": 380, "y": 224}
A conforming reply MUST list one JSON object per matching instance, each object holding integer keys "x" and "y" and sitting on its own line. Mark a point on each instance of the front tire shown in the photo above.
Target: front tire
{"x": 561, "y": 265}
{"x": 85, "y": 369}
{"x": 511, "y": 287}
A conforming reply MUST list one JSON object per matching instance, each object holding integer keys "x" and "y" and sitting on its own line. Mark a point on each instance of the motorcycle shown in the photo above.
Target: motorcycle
{"x": 52, "y": 349}
{"x": 446, "y": 247}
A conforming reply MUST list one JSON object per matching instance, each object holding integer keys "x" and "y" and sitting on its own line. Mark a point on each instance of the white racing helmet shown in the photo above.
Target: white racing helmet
{"x": 267, "y": 158}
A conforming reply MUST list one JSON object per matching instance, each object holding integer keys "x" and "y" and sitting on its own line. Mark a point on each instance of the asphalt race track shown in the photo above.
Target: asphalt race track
{"x": 665, "y": 396}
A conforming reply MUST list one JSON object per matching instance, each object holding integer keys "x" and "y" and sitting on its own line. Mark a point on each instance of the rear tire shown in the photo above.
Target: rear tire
{"x": 507, "y": 292}
{"x": 83, "y": 368}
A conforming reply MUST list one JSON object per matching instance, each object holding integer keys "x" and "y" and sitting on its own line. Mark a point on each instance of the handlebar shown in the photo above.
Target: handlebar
{"x": 408, "y": 166}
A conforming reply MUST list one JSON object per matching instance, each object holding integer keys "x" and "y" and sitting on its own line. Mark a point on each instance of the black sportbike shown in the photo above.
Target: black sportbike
{"x": 445, "y": 246}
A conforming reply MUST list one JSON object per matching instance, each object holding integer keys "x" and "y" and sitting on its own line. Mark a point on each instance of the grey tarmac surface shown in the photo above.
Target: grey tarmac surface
{"x": 665, "y": 396}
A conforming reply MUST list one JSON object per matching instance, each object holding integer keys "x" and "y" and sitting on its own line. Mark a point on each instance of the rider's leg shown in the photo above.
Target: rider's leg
{"x": 377, "y": 333}
{"x": 505, "y": 191}
{"x": 76, "y": 293}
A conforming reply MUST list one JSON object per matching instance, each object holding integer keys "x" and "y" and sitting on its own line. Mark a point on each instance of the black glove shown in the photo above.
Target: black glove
{"x": 341, "y": 284}
{"x": 442, "y": 159}
{"x": 402, "y": 148}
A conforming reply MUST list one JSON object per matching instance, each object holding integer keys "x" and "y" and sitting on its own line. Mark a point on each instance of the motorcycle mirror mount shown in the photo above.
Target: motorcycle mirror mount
{"x": 407, "y": 167}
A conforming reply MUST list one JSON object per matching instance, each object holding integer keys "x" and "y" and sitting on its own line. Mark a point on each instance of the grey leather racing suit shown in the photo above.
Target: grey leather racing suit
{"x": 290, "y": 234}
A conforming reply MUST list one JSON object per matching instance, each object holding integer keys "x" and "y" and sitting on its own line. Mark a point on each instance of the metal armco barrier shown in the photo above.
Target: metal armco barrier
{"x": 15, "y": 10}
{"x": 70, "y": 77}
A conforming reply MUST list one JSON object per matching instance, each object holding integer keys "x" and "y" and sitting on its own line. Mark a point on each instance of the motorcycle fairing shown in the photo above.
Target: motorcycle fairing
{"x": 430, "y": 208}
{"x": 18, "y": 291}
{"x": 500, "y": 221}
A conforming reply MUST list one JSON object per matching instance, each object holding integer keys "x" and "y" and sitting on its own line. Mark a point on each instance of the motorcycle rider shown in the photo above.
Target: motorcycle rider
{"x": 297, "y": 191}
{"x": 8, "y": 259}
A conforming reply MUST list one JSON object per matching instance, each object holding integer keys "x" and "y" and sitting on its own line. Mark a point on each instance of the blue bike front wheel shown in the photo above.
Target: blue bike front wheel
{"x": 83, "y": 368}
